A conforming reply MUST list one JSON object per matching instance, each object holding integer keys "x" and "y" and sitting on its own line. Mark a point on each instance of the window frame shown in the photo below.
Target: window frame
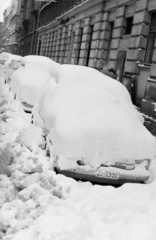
{"x": 150, "y": 49}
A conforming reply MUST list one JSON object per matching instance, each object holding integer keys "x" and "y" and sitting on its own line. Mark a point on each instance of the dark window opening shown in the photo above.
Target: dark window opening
{"x": 110, "y": 39}
{"x": 151, "y": 40}
{"x": 129, "y": 25}
{"x": 39, "y": 47}
{"x": 71, "y": 47}
{"x": 80, "y": 41}
{"x": 90, "y": 41}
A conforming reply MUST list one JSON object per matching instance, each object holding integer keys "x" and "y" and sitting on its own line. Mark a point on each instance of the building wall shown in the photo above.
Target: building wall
{"x": 6, "y": 38}
{"x": 99, "y": 34}
{"x": 1, "y": 34}
{"x": 12, "y": 24}
{"x": 29, "y": 16}
{"x": 103, "y": 54}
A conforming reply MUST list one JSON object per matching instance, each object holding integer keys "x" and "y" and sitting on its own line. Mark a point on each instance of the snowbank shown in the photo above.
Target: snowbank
{"x": 36, "y": 203}
{"x": 91, "y": 118}
{"x": 44, "y": 62}
{"x": 27, "y": 81}
{"x": 4, "y": 56}
{"x": 12, "y": 64}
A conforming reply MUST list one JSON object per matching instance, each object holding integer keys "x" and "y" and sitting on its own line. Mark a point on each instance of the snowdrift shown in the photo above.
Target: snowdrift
{"x": 90, "y": 117}
{"x": 44, "y": 62}
{"x": 28, "y": 80}
{"x": 36, "y": 203}
{"x": 4, "y": 56}
{"x": 12, "y": 64}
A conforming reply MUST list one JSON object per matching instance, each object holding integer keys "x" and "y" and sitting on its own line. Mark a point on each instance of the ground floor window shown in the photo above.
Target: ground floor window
{"x": 151, "y": 40}
{"x": 39, "y": 47}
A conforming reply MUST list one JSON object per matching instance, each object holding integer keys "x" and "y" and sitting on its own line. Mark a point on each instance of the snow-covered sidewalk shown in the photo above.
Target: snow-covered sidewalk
{"x": 37, "y": 204}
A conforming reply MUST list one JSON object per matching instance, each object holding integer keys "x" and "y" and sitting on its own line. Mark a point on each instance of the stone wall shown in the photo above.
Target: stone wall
{"x": 58, "y": 35}
{"x": 95, "y": 33}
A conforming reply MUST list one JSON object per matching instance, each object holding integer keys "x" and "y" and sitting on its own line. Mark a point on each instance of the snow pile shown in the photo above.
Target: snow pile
{"x": 91, "y": 118}
{"x": 12, "y": 64}
{"x": 91, "y": 212}
{"x": 11, "y": 118}
{"x": 32, "y": 137}
{"x": 44, "y": 62}
{"x": 41, "y": 110}
{"x": 4, "y": 56}
{"x": 2, "y": 76}
{"x": 37, "y": 204}
{"x": 31, "y": 188}
{"x": 27, "y": 81}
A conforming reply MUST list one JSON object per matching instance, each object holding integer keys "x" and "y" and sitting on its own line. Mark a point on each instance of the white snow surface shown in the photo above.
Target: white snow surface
{"x": 12, "y": 64}
{"x": 90, "y": 117}
{"x": 28, "y": 80}
{"x": 37, "y": 204}
{"x": 4, "y": 56}
{"x": 43, "y": 62}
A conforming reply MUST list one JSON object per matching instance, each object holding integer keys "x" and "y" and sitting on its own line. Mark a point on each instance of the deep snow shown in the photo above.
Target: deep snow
{"x": 90, "y": 117}
{"x": 37, "y": 204}
{"x": 28, "y": 80}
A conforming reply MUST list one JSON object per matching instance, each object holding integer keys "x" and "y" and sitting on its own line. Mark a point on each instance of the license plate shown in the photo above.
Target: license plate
{"x": 107, "y": 174}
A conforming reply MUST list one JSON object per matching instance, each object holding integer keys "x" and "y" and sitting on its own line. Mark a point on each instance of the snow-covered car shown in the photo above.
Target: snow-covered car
{"x": 36, "y": 203}
{"x": 28, "y": 80}
{"x": 3, "y": 58}
{"x": 94, "y": 129}
{"x": 12, "y": 64}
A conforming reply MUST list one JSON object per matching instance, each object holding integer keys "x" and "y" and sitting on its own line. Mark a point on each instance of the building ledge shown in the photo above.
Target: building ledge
{"x": 151, "y": 80}
{"x": 144, "y": 66}
{"x": 72, "y": 12}
{"x": 11, "y": 43}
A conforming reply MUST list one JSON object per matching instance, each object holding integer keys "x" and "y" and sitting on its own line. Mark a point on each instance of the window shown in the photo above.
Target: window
{"x": 110, "y": 39}
{"x": 80, "y": 41}
{"x": 151, "y": 40}
{"x": 90, "y": 41}
{"x": 129, "y": 25}
{"x": 39, "y": 47}
{"x": 71, "y": 47}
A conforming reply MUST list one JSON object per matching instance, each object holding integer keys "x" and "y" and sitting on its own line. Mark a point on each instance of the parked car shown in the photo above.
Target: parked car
{"x": 94, "y": 131}
{"x": 3, "y": 58}
{"x": 12, "y": 64}
{"x": 28, "y": 80}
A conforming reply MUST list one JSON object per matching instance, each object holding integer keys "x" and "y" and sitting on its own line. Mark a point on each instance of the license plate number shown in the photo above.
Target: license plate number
{"x": 107, "y": 174}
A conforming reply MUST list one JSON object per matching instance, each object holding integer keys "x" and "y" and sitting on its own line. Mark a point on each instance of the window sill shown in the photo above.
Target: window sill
{"x": 144, "y": 65}
{"x": 126, "y": 36}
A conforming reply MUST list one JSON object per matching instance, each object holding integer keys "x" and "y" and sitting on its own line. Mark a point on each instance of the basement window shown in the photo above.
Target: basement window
{"x": 129, "y": 24}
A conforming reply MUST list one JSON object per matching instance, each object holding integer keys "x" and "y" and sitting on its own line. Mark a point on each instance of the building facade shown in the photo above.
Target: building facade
{"x": 28, "y": 35}
{"x": 12, "y": 26}
{"x": 6, "y": 33}
{"x": 15, "y": 25}
{"x": 102, "y": 34}
{"x": 1, "y": 34}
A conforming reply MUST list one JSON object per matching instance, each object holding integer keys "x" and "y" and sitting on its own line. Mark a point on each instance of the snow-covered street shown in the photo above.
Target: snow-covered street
{"x": 38, "y": 204}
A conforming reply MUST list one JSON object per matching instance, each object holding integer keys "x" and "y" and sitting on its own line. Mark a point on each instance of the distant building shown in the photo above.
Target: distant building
{"x": 119, "y": 34}
{"x": 102, "y": 34}
{"x": 1, "y": 34}
{"x": 28, "y": 35}
{"x": 6, "y": 33}
{"x": 15, "y": 25}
